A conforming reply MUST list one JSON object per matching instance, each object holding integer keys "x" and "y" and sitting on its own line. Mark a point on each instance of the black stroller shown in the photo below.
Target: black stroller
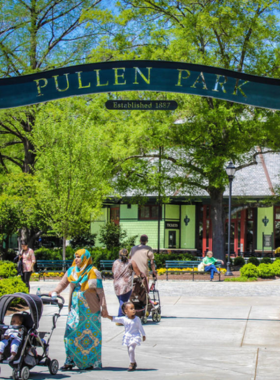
{"x": 27, "y": 357}
{"x": 145, "y": 300}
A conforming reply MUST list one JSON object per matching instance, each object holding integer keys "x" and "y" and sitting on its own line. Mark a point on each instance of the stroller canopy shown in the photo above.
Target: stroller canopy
{"x": 34, "y": 303}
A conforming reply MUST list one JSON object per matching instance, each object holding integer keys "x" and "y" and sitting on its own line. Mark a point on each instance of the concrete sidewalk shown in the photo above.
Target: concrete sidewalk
{"x": 199, "y": 337}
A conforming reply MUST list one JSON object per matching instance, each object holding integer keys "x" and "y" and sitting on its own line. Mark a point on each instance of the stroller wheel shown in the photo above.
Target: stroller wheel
{"x": 25, "y": 373}
{"x": 15, "y": 375}
{"x": 53, "y": 367}
{"x": 154, "y": 317}
{"x": 144, "y": 320}
{"x": 158, "y": 317}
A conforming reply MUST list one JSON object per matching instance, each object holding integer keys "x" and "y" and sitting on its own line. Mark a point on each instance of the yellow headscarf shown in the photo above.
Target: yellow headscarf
{"x": 83, "y": 274}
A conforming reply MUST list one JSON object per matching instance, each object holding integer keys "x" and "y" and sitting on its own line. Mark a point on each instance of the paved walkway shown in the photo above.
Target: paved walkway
{"x": 208, "y": 331}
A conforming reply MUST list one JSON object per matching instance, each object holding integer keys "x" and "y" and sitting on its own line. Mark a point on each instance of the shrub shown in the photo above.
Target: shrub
{"x": 249, "y": 270}
{"x": 240, "y": 279}
{"x": 276, "y": 267}
{"x": 103, "y": 254}
{"x": 239, "y": 261}
{"x": 12, "y": 285}
{"x": 111, "y": 235}
{"x": 266, "y": 270}
{"x": 7, "y": 269}
{"x": 254, "y": 261}
{"x": 82, "y": 241}
{"x": 266, "y": 260}
{"x": 54, "y": 254}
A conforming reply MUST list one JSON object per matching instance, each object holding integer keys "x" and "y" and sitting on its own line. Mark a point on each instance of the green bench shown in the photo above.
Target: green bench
{"x": 47, "y": 266}
{"x": 174, "y": 264}
{"x": 106, "y": 266}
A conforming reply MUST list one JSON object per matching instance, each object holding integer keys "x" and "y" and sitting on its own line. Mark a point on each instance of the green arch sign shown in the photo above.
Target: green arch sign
{"x": 161, "y": 76}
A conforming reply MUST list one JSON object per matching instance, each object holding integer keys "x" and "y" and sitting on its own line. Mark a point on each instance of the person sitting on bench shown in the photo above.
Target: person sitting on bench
{"x": 209, "y": 264}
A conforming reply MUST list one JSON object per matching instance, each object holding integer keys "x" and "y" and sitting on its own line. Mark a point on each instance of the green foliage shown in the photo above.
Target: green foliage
{"x": 7, "y": 269}
{"x": 211, "y": 132}
{"x": 103, "y": 254}
{"x": 12, "y": 285}
{"x": 112, "y": 235}
{"x": 240, "y": 279}
{"x": 239, "y": 261}
{"x": 83, "y": 241}
{"x": 73, "y": 165}
{"x": 276, "y": 267}
{"x": 254, "y": 261}
{"x": 249, "y": 270}
{"x": 266, "y": 270}
{"x": 54, "y": 254}
{"x": 266, "y": 260}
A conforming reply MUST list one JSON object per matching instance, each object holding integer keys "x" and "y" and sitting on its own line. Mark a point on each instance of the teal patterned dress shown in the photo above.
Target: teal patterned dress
{"x": 83, "y": 338}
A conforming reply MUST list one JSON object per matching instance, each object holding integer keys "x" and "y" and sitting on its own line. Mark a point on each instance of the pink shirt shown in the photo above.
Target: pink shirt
{"x": 28, "y": 258}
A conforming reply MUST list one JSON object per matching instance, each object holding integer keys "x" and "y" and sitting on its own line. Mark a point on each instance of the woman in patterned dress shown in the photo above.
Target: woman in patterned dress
{"x": 87, "y": 303}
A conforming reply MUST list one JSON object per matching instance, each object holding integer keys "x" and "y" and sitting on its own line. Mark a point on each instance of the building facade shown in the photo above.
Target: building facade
{"x": 185, "y": 222}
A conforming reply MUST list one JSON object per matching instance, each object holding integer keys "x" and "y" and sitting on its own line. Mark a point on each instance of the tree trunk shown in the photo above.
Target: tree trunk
{"x": 29, "y": 156}
{"x": 218, "y": 227}
{"x": 24, "y": 235}
{"x": 64, "y": 248}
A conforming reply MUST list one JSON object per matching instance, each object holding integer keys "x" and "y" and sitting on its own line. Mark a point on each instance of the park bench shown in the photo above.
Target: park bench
{"x": 174, "y": 265}
{"x": 47, "y": 266}
{"x": 106, "y": 267}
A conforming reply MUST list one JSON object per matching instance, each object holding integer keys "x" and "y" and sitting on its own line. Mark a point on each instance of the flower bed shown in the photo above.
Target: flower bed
{"x": 162, "y": 271}
{"x": 35, "y": 276}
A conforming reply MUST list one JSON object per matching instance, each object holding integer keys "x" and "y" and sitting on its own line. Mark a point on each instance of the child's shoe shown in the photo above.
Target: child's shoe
{"x": 132, "y": 367}
{"x": 11, "y": 358}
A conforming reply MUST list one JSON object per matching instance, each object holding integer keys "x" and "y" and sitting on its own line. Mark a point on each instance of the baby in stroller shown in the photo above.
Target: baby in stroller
{"x": 13, "y": 335}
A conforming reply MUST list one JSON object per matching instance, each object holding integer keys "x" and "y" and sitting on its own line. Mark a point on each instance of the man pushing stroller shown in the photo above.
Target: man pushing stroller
{"x": 141, "y": 254}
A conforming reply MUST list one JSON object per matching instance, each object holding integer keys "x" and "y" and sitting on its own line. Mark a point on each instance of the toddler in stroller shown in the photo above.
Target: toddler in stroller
{"x": 31, "y": 349}
{"x": 13, "y": 336}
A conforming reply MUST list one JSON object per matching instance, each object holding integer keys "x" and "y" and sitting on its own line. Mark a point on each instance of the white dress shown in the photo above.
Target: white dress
{"x": 133, "y": 330}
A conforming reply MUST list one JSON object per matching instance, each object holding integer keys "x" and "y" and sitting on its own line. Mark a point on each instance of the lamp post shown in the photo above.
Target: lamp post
{"x": 230, "y": 169}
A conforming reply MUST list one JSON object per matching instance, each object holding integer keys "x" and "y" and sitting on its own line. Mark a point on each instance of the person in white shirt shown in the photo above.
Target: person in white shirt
{"x": 13, "y": 335}
{"x": 133, "y": 331}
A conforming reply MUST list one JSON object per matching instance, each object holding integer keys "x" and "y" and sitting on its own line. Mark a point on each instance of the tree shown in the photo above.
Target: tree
{"x": 35, "y": 36}
{"x": 237, "y": 35}
{"x": 72, "y": 167}
{"x": 19, "y": 207}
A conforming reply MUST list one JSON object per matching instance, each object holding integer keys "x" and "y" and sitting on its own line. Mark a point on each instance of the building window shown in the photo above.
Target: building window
{"x": 115, "y": 215}
{"x": 149, "y": 212}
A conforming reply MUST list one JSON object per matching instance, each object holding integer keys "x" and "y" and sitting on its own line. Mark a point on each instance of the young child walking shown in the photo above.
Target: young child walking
{"x": 12, "y": 335}
{"x": 133, "y": 331}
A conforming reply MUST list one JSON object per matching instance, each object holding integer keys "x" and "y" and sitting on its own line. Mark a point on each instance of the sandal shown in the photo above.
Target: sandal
{"x": 67, "y": 367}
{"x": 132, "y": 367}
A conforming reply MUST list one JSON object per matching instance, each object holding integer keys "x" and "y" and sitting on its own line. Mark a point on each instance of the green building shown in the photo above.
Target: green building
{"x": 185, "y": 223}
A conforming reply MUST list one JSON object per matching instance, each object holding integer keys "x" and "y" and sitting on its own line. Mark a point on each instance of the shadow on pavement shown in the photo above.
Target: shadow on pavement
{"x": 222, "y": 319}
{"x": 121, "y": 369}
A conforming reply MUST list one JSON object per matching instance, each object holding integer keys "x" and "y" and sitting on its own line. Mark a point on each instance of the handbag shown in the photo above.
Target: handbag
{"x": 200, "y": 267}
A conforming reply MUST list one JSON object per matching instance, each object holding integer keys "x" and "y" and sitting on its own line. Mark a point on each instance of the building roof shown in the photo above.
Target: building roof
{"x": 255, "y": 181}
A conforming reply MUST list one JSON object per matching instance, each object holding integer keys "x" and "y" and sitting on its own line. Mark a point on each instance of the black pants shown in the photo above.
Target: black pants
{"x": 26, "y": 278}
